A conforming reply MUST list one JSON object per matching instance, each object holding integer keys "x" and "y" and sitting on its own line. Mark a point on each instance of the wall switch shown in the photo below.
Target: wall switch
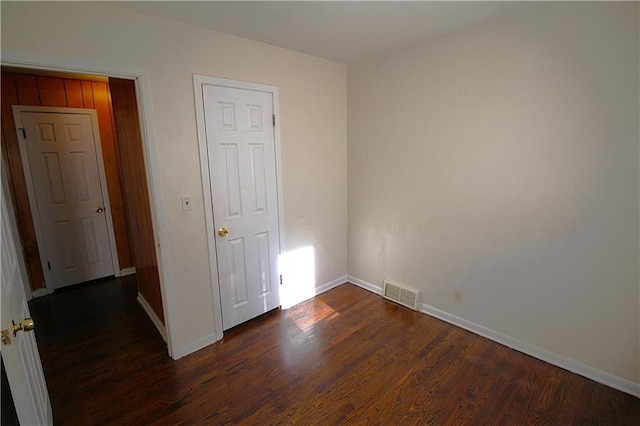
{"x": 186, "y": 203}
{"x": 457, "y": 296}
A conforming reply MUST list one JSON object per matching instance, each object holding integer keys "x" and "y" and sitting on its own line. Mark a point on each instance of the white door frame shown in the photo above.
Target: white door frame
{"x": 142, "y": 80}
{"x": 198, "y": 82}
{"x": 26, "y": 165}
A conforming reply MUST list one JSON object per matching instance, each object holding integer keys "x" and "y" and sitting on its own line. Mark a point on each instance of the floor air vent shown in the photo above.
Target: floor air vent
{"x": 401, "y": 294}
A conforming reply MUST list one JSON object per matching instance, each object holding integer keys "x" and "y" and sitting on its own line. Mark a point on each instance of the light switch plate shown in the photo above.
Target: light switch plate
{"x": 186, "y": 203}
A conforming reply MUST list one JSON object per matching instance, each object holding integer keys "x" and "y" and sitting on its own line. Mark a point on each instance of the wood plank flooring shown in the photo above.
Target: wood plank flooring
{"x": 345, "y": 357}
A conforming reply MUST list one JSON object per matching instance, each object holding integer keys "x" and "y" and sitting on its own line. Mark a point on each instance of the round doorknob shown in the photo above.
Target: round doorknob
{"x": 26, "y": 324}
{"x": 99, "y": 209}
{"x": 223, "y": 232}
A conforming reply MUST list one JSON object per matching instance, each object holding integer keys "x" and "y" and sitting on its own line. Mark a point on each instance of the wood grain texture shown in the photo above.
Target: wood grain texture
{"x": 38, "y": 90}
{"x": 11, "y": 95}
{"x": 136, "y": 191}
{"x": 345, "y": 357}
{"x": 73, "y": 92}
{"x": 100, "y": 97}
{"x": 52, "y": 91}
{"x": 87, "y": 94}
{"x": 27, "y": 88}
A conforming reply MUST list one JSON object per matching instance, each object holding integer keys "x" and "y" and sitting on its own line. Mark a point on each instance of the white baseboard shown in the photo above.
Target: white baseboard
{"x": 152, "y": 315}
{"x": 367, "y": 286}
{"x": 196, "y": 345}
{"x": 331, "y": 284}
{"x": 316, "y": 291}
{"x": 599, "y": 376}
{"x": 127, "y": 271}
{"x": 212, "y": 338}
{"x": 41, "y": 292}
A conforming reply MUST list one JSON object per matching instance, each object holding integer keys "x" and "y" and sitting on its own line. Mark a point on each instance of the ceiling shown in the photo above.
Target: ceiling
{"x": 342, "y": 31}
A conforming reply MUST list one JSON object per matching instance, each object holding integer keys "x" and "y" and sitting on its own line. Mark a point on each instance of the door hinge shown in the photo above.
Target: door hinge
{"x": 281, "y": 280}
{"x": 274, "y": 120}
{"x": 49, "y": 265}
{"x": 24, "y": 133}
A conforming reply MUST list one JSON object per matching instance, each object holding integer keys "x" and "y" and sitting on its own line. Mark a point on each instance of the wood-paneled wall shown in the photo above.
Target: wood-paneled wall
{"x": 39, "y": 90}
{"x": 136, "y": 191}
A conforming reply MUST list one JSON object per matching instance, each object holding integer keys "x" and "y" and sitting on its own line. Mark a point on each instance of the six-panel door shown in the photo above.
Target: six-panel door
{"x": 69, "y": 198}
{"x": 242, "y": 164}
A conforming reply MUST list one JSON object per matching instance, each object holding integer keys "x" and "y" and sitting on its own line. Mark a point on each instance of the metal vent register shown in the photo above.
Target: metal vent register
{"x": 401, "y": 294}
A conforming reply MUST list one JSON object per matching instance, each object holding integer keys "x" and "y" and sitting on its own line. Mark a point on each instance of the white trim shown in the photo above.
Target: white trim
{"x": 152, "y": 316}
{"x": 127, "y": 271}
{"x": 365, "y": 285}
{"x": 599, "y": 376}
{"x": 149, "y": 142}
{"x": 198, "y": 82}
{"x": 152, "y": 169}
{"x": 196, "y": 345}
{"x": 41, "y": 292}
{"x": 279, "y": 189}
{"x": 536, "y": 352}
{"x": 331, "y": 284}
{"x": 43, "y": 61}
{"x": 18, "y": 110}
{"x": 318, "y": 290}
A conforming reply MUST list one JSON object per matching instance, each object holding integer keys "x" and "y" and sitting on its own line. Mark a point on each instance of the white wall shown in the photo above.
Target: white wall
{"x": 502, "y": 160}
{"x": 312, "y": 124}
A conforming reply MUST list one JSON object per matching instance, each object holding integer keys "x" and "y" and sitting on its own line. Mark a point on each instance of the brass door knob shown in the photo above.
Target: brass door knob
{"x": 26, "y": 324}
{"x": 6, "y": 339}
{"x": 99, "y": 209}
{"x": 223, "y": 232}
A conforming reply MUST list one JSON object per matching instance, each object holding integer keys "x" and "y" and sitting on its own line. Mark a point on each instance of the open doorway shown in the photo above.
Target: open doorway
{"x": 114, "y": 103}
{"x": 138, "y": 82}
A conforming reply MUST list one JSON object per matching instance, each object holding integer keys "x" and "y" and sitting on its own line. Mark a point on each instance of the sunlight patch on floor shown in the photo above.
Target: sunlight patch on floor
{"x": 319, "y": 312}
{"x": 299, "y": 276}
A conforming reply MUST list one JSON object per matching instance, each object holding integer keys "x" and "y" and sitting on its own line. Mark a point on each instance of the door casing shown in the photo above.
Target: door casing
{"x": 17, "y": 114}
{"x": 140, "y": 75}
{"x": 198, "y": 82}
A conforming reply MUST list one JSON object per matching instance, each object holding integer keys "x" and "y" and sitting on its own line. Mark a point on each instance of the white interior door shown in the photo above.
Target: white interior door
{"x": 67, "y": 191}
{"x": 242, "y": 166}
{"x": 20, "y": 352}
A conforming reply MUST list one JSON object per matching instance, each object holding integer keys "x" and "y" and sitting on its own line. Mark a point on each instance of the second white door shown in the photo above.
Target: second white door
{"x": 242, "y": 164}
{"x": 67, "y": 192}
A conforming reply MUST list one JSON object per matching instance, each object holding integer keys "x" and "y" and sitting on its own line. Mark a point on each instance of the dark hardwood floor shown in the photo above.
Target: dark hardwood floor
{"x": 345, "y": 357}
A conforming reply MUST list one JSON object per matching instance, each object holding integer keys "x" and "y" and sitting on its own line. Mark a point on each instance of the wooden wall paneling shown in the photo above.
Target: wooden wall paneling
{"x": 136, "y": 191}
{"x": 73, "y": 91}
{"x": 101, "y": 102}
{"x": 11, "y": 96}
{"x": 87, "y": 94}
{"x": 121, "y": 180}
{"x": 27, "y": 86}
{"x": 102, "y": 105}
{"x": 52, "y": 91}
{"x": 26, "y": 89}
{"x": 125, "y": 111}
